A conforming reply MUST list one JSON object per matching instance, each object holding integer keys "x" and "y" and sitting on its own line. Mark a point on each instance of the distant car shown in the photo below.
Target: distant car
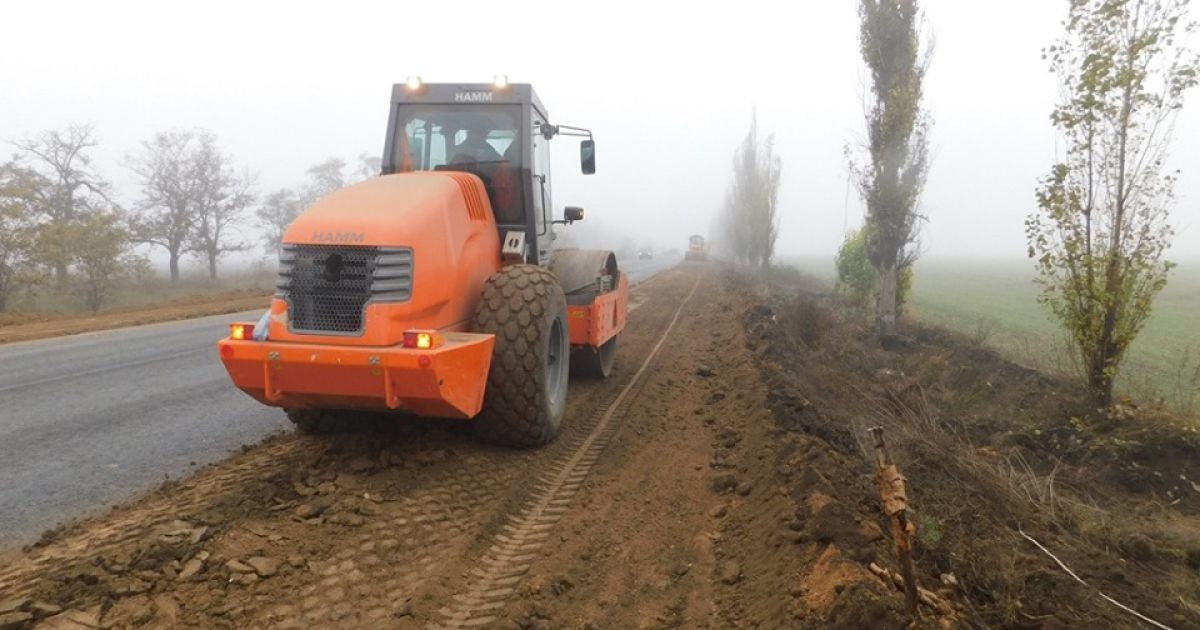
{"x": 645, "y": 254}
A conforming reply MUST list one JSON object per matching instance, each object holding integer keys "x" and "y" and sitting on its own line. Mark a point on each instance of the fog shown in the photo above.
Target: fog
{"x": 668, "y": 89}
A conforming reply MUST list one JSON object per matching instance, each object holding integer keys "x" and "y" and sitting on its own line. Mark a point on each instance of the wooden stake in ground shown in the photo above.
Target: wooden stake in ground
{"x": 893, "y": 492}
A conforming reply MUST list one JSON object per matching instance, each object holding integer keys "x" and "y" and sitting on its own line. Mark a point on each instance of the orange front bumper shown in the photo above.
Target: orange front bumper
{"x": 443, "y": 382}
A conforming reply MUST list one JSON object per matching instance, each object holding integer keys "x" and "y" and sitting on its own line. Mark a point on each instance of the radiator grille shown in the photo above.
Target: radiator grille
{"x": 328, "y": 287}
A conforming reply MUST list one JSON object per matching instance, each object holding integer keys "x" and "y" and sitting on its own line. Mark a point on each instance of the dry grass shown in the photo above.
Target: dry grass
{"x": 47, "y": 300}
{"x": 810, "y": 320}
{"x": 27, "y": 327}
{"x": 1037, "y": 489}
{"x": 976, "y": 497}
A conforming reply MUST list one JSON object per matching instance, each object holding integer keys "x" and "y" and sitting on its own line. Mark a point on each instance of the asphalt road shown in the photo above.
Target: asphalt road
{"x": 91, "y": 420}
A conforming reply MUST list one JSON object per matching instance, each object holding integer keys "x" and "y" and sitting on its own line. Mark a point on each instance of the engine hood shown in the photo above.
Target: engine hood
{"x": 443, "y": 218}
{"x": 383, "y": 211}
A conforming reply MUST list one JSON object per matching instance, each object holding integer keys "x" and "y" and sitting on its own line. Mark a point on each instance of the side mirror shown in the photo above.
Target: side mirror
{"x": 573, "y": 213}
{"x": 587, "y": 156}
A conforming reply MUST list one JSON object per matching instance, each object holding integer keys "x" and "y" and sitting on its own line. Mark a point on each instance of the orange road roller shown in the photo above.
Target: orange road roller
{"x": 435, "y": 289}
{"x": 696, "y": 249}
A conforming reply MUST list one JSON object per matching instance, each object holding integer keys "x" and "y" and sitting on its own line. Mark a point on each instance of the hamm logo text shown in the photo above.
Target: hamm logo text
{"x": 339, "y": 237}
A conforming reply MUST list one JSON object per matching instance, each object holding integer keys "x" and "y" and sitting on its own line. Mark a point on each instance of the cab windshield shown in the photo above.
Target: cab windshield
{"x": 482, "y": 140}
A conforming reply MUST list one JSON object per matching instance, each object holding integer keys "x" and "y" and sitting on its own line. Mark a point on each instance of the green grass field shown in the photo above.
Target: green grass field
{"x": 995, "y": 302}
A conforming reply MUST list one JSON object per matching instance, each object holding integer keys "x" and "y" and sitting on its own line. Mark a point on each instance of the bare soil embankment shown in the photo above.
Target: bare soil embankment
{"x": 991, "y": 450}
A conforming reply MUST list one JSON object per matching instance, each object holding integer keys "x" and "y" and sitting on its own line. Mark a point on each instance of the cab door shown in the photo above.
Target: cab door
{"x": 540, "y": 176}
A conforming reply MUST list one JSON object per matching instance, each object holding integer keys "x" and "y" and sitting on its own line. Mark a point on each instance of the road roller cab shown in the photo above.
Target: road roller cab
{"x": 434, "y": 289}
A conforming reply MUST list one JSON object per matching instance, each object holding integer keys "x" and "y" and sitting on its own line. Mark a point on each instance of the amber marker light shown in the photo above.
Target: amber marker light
{"x": 422, "y": 340}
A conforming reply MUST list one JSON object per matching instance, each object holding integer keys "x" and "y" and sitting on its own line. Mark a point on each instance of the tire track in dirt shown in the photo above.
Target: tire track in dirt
{"x": 421, "y": 530}
{"x": 18, "y": 578}
{"x": 381, "y": 568}
{"x": 472, "y": 505}
{"x": 513, "y": 550}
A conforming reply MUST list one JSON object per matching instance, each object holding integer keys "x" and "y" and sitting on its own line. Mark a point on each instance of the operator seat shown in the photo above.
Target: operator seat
{"x": 506, "y": 192}
{"x": 475, "y": 148}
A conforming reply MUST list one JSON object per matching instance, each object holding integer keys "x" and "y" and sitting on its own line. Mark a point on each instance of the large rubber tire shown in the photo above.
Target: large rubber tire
{"x": 524, "y": 307}
{"x": 594, "y": 362}
{"x": 320, "y": 421}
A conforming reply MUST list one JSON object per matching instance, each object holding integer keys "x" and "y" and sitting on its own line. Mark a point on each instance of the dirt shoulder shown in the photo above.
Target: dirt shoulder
{"x": 691, "y": 520}
{"x": 29, "y": 326}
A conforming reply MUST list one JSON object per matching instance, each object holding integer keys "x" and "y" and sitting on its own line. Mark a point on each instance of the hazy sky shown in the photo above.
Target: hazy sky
{"x": 668, "y": 89}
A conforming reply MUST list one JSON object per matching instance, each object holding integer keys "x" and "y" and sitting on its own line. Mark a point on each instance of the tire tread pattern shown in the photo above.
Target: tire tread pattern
{"x": 518, "y": 306}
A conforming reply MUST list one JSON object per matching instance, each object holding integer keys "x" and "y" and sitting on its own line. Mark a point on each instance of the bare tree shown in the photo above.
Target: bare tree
{"x": 170, "y": 186}
{"x": 323, "y": 178}
{"x": 276, "y": 213}
{"x": 216, "y": 218}
{"x": 1101, "y": 229}
{"x": 72, "y": 189}
{"x": 190, "y": 196}
{"x": 281, "y": 207}
{"x": 368, "y": 166}
{"x": 220, "y": 206}
{"x": 897, "y": 143}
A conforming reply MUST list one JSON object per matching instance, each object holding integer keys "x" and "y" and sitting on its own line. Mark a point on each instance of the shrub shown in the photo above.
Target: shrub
{"x": 857, "y": 280}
